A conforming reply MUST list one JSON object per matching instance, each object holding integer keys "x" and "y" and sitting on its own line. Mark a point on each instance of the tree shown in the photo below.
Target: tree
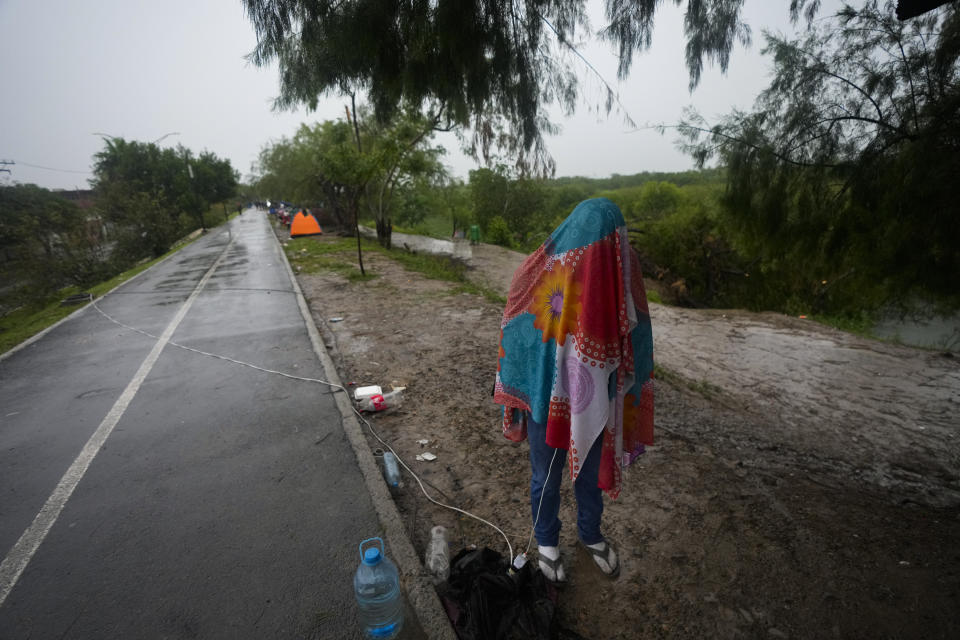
{"x": 456, "y": 201}
{"x": 399, "y": 157}
{"x": 46, "y": 242}
{"x": 520, "y": 203}
{"x": 351, "y": 164}
{"x": 214, "y": 179}
{"x": 656, "y": 199}
{"x": 845, "y": 170}
{"x": 493, "y": 67}
{"x": 144, "y": 190}
{"x": 488, "y": 194}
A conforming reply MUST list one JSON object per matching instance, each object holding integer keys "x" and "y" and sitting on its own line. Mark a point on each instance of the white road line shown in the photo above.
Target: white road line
{"x": 21, "y": 553}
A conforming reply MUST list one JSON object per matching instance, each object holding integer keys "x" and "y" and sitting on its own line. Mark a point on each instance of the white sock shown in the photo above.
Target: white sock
{"x": 605, "y": 566}
{"x": 553, "y": 553}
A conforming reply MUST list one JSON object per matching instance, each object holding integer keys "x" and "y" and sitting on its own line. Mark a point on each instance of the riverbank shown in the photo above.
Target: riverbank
{"x": 790, "y": 493}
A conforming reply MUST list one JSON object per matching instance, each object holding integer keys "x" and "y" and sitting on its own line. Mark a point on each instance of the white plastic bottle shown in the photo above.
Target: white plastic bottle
{"x": 382, "y": 402}
{"x": 438, "y": 554}
{"x": 377, "y": 588}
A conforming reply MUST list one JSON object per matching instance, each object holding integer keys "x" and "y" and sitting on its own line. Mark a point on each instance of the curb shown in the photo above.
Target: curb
{"x": 420, "y": 592}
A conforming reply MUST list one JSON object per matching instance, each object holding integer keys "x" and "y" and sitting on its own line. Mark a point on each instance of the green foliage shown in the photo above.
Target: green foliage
{"x": 39, "y": 313}
{"x": 651, "y": 201}
{"x": 690, "y": 253}
{"x": 392, "y": 171}
{"x": 312, "y": 255}
{"x": 498, "y": 232}
{"x": 46, "y": 242}
{"x": 319, "y": 165}
{"x": 456, "y": 202}
{"x": 441, "y": 268}
{"x": 493, "y": 66}
{"x": 842, "y": 179}
{"x": 488, "y": 188}
{"x": 521, "y": 203}
{"x": 404, "y": 165}
{"x": 143, "y": 191}
{"x": 656, "y": 200}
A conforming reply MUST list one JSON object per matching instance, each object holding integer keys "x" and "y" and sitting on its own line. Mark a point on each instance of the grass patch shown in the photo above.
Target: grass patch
{"x": 662, "y": 373}
{"x": 433, "y": 226}
{"x": 340, "y": 256}
{"x": 861, "y": 324}
{"x": 18, "y": 325}
{"x": 706, "y": 389}
{"x": 308, "y": 255}
{"x": 440, "y": 268}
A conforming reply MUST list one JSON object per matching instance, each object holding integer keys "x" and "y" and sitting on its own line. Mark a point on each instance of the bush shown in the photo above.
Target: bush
{"x": 691, "y": 253}
{"x": 498, "y": 232}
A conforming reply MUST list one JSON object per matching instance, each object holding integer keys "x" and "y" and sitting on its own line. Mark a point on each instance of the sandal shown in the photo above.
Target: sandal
{"x": 608, "y": 556}
{"x": 551, "y": 569}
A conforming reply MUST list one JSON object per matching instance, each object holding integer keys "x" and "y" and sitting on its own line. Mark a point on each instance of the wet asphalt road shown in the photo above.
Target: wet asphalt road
{"x": 225, "y": 503}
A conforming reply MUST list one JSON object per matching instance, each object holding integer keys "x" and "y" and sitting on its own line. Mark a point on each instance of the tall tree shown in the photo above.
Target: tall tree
{"x": 144, "y": 190}
{"x": 493, "y": 67}
{"x": 399, "y": 155}
{"x": 844, "y": 172}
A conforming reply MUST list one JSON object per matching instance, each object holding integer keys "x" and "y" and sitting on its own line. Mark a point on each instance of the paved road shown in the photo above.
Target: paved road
{"x": 225, "y": 502}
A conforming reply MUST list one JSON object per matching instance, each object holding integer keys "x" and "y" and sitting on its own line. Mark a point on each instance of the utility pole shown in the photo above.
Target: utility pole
{"x": 203, "y": 224}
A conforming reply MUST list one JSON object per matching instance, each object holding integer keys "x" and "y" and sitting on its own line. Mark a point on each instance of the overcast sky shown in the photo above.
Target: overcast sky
{"x": 145, "y": 69}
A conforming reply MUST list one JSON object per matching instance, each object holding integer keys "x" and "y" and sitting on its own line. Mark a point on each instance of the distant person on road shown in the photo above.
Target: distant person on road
{"x": 575, "y": 373}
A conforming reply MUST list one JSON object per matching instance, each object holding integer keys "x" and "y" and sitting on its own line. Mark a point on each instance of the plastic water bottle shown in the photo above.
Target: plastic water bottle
{"x": 382, "y": 401}
{"x": 390, "y": 469}
{"x": 438, "y": 554}
{"x": 377, "y": 587}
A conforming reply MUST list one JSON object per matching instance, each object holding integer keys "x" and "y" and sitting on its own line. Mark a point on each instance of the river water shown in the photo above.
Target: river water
{"x": 931, "y": 330}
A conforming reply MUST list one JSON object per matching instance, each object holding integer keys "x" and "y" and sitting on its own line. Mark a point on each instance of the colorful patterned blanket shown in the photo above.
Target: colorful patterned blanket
{"x": 576, "y": 348}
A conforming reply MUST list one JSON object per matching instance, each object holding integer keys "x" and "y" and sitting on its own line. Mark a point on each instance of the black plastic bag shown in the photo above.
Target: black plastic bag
{"x": 485, "y": 601}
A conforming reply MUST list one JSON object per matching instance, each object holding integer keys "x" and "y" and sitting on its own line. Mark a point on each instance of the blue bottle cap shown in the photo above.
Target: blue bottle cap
{"x": 371, "y": 556}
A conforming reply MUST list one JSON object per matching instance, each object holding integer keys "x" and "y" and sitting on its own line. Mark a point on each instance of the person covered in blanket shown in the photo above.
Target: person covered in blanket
{"x": 575, "y": 374}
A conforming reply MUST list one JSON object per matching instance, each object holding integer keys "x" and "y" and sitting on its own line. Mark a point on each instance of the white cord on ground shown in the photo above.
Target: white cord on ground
{"x": 424, "y": 490}
{"x": 214, "y": 355}
{"x": 334, "y": 386}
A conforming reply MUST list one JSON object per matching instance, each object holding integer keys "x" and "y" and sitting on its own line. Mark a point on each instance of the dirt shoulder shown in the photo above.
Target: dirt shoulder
{"x": 760, "y": 513}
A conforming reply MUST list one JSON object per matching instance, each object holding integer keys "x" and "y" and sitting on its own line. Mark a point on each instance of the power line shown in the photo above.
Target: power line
{"x": 37, "y": 166}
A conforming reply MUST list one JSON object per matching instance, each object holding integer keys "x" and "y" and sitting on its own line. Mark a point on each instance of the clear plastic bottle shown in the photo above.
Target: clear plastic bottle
{"x": 390, "y": 469}
{"x": 377, "y": 587}
{"x": 438, "y": 554}
{"x": 382, "y": 401}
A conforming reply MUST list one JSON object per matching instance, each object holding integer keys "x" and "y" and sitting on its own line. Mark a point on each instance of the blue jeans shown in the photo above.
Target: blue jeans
{"x": 589, "y": 495}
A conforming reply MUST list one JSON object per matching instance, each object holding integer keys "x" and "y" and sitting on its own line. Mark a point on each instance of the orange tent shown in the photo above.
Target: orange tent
{"x": 304, "y": 224}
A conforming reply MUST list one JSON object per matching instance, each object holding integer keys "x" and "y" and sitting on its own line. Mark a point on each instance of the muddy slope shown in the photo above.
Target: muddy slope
{"x": 790, "y": 494}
